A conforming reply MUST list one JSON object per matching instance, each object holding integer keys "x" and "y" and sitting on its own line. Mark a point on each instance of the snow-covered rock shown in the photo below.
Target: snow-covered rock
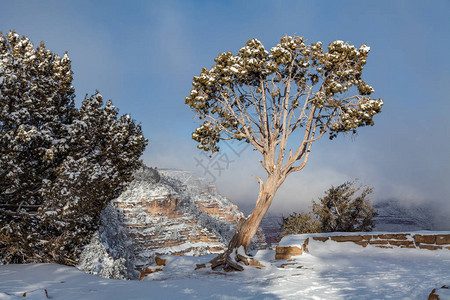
{"x": 163, "y": 212}
{"x": 96, "y": 260}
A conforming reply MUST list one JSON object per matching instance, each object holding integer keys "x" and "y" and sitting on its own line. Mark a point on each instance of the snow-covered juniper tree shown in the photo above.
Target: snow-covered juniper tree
{"x": 304, "y": 222}
{"x": 36, "y": 105}
{"x": 59, "y": 166}
{"x": 297, "y": 92}
{"x": 344, "y": 208}
{"x": 104, "y": 152}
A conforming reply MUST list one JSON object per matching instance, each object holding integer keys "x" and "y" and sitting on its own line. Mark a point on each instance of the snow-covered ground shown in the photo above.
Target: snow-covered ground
{"x": 337, "y": 271}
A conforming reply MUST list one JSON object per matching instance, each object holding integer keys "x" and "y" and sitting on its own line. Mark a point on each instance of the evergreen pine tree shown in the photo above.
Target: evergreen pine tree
{"x": 36, "y": 105}
{"x": 105, "y": 151}
{"x": 59, "y": 166}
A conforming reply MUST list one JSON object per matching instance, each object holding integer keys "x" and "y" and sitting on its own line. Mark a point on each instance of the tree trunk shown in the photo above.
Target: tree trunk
{"x": 246, "y": 229}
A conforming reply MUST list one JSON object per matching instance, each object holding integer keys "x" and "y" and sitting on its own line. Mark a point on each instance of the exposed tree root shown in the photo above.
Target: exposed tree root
{"x": 235, "y": 257}
{"x": 232, "y": 260}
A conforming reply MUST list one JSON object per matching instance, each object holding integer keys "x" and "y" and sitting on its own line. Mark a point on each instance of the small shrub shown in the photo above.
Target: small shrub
{"x": 344, "y": 208}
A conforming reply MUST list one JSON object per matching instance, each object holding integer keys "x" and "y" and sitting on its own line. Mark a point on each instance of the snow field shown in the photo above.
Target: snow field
{"x": 337, "y": 271}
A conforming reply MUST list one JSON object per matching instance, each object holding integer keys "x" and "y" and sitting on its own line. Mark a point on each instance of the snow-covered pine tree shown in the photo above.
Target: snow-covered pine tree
{"x": 36, "y": 105}
{"x": 59, "y": 166}
{"x": 105, "y": 151}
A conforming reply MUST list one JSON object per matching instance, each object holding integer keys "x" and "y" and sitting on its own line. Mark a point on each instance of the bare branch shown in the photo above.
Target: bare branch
{"x": 257, "y": 101}
{"x": 305, "y": 157}
{"x": 261, "y": 187}
{"x": 302, "y": 113}
{"x": 241, "y": 120}
{"x": 265, "y": 127}
{"x": 274, "y": 104}
{"x": 307, "y": 132}
{"x": 243, "y": 111}
{"x": 17, "y": 213}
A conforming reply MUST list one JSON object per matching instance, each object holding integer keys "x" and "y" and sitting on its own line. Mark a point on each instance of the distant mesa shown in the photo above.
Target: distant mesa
{"x": 394, "y": 216}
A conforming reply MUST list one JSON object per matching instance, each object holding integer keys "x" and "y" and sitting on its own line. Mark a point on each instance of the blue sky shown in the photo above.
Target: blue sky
{"x": 143, "y": 54}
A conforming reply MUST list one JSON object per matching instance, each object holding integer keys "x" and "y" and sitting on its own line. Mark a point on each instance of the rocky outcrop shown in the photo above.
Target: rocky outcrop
{"x": 161, "y": 212}
{"x": 174, "y": 212}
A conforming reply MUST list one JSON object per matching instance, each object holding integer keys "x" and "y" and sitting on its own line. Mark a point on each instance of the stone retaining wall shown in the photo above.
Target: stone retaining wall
{"x": 420, "y": 240}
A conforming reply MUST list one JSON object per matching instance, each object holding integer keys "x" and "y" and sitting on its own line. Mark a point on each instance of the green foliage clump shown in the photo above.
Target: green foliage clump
{"x": 300, "y": 223}
{"x": 344, "y": 208}
{"x": 59, "y": 165}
